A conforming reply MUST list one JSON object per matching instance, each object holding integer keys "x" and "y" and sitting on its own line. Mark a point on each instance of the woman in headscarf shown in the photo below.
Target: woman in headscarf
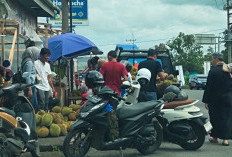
{"x": 29, "y": 56}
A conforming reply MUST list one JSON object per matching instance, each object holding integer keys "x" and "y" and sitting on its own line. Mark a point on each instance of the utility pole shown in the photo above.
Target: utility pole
{"x": 71, "y": 60}
{"x": 133, "y": 42}
{"x": 229, "y": 13}
{"x": 219, "y": 42}
{"x": 65, "y": 15}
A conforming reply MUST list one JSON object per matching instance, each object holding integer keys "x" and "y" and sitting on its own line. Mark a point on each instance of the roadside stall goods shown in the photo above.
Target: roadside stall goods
{"x": 58, "y": 121}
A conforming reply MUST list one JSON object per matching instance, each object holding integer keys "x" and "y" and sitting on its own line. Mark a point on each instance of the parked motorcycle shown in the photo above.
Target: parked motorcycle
{"x": 183, "y": 122}
{"x": 17, "y": 120}
{"x": 138, "y": 126}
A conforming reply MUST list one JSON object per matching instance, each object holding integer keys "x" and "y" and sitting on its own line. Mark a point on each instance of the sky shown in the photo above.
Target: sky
{"x": 150, "y": 22}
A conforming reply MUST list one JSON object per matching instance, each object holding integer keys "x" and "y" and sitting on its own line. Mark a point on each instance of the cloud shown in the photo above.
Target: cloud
{"x": 150, "y": 21}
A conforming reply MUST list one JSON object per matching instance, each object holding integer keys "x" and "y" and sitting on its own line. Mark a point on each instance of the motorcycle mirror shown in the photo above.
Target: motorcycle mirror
{"x": 125, "y": 85}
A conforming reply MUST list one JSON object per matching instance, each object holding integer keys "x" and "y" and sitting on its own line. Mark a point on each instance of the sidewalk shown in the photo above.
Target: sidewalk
{"x": 49, "y": 147}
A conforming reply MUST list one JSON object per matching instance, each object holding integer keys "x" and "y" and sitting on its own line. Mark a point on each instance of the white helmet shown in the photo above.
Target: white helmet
{"x": 143, "y": 73}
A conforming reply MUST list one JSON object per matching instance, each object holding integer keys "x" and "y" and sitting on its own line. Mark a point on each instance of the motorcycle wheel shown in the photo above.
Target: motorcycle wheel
{"x": 158, "y": 138}
{"x": 3, "y": 152}
{"x": 198, "y": 140}
{"x": 75, "y": 144}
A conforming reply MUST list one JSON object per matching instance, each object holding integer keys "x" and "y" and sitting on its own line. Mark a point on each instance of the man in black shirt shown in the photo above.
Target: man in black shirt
{"x": 155, "y": 68}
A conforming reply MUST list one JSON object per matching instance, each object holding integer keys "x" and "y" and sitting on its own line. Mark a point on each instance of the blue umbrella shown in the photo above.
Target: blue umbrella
{"x": 69, "y": 45}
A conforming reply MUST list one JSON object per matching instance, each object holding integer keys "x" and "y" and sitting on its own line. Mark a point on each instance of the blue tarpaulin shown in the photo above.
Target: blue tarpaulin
{"x": 69, "y": 45}
{"x": 128, "y": 47}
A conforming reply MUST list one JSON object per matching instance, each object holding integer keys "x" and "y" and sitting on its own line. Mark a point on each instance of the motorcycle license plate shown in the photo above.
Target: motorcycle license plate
{"x": 208, "y": 126}
{"x": 1, "y": 121}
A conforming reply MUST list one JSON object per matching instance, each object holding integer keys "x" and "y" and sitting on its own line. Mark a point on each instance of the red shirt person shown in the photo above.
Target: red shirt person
{"x": 113, "y": 72}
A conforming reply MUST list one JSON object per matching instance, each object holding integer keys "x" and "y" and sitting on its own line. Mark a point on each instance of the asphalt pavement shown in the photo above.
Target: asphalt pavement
{"x": 167, "y": 149}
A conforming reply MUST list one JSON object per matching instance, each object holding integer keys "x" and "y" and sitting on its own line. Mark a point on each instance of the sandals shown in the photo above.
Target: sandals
{"x": 212, "y": 140}
{"x": 225, "y": 144}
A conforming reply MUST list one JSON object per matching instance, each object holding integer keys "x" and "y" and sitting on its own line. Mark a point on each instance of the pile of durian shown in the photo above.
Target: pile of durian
{"x": 162, "y": 85}
{"x": 57, "y": 122}
{"x": 133, "y": 72}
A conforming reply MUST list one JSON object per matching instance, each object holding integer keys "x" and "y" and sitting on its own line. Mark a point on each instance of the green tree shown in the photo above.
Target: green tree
{"x": 184, "y": 51}
{"x": 161, "y": 47}
{"x": 208, "y": 56}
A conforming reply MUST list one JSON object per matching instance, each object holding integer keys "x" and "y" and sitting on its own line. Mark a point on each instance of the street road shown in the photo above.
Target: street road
{"x": 166, "y": 149}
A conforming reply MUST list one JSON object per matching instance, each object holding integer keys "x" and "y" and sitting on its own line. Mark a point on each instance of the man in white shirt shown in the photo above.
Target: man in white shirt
{"x": 43, "y": 70}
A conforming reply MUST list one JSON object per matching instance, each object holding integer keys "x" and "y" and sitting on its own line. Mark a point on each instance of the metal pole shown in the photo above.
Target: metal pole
{"x": 71, "y": 60}
{"x": 229, "y": 31}
{"x": 219, "y": 42}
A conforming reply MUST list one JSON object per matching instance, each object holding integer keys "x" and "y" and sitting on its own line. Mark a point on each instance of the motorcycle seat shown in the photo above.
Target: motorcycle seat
{"x": 6, "y": 110}
{"x": 136, "y": 109}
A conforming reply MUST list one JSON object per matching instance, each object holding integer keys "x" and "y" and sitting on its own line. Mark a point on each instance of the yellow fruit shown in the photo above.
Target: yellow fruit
{"x": 55, "y": 130}
{"x": 47, "y": 120}
{"x": 43, "y": 132}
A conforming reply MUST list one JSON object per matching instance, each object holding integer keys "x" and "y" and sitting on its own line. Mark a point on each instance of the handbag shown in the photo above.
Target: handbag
{"x": 38, "y": 78}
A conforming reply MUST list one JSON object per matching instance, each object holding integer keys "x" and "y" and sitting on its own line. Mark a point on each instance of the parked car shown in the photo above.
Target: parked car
{"x": 197, "y": 81}
{"x": 163, "y": 58}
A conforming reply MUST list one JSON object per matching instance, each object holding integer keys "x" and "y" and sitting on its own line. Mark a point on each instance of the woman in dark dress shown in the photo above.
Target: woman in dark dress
{"x": 218, "y": 100}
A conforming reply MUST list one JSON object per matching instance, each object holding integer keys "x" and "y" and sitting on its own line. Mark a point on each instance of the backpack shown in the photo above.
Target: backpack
{"x": 17, "y": 78}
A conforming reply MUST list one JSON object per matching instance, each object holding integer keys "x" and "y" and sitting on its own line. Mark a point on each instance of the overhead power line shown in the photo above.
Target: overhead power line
{"x": 152, "y": 40}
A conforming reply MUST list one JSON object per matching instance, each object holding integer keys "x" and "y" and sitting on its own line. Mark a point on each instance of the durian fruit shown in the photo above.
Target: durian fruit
{"x": 63, "y": 129}
{"x": 78, "y": 102}
{"x": 43, "y": 132}
{"x": 65, "y": 118}
{"x": 170, "y": 77}
{"x": 72, "y": 116}
{"x": 56, "y": 118}
{"x": 72, "y": 106}
{"x": 46, "y": 120}
{"x": 41, "y": 112}
{"x": 77, "y": 107}
{"x": 66, "y": 110}
{"x": 56, "y": 109}
{"x": 38, "y": 119}
{"x": 37, "y": 128}
{"x": 175, "y": 80}
{"x": 69, "y": 123}
{"x": 55, "y": 130}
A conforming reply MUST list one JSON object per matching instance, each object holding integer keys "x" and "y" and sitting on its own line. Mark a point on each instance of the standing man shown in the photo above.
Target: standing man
{"x": 218, "y": 100}
{"x": 113, "y": 72}
{"x": 43, "y": 70}
{"x": 155, "y": 68}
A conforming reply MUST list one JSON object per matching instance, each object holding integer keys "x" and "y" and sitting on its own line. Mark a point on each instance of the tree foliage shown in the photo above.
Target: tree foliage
{"x": 184, "y": 51}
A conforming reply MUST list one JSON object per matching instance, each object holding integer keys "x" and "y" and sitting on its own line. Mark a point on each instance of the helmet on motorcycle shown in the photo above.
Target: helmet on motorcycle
{"x": 173, "y": 89}
{"x": 143, "y": 74}
{"x": 94, "y": 79}
{"x": 127, "y": 64}
{"x": 181, "y": 96}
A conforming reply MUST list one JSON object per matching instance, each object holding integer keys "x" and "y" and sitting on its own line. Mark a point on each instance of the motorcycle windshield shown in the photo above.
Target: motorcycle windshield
{"x": 90, "y": 108}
